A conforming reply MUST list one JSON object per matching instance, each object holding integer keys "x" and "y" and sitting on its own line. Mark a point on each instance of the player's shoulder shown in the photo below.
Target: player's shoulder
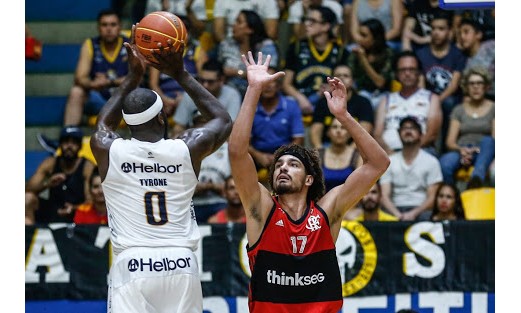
{"x": 104, "y": 135}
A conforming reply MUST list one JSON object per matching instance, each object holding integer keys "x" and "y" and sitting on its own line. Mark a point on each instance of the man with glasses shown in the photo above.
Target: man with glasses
{"x": 213, "y": 79}
{"x": 298, "y": 11}
{"x": 310, "y": 61}
{"x": 411, "y": 100}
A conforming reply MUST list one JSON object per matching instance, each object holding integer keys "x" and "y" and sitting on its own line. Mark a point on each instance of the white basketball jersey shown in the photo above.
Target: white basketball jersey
{"x": 398, "y": 107}
{"x": 148, "y": 191}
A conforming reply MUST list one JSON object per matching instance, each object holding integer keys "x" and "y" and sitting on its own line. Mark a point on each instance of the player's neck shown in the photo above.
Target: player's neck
{"x": 148, "y": 135}
{"x": 294, "y": 204}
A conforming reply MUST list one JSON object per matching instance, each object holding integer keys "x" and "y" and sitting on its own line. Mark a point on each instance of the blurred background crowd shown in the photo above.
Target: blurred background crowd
{"x": 420, "y": 80}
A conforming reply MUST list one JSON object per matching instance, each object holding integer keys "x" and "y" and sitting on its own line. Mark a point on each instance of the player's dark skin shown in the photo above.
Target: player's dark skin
{"x": 201, "y": 141}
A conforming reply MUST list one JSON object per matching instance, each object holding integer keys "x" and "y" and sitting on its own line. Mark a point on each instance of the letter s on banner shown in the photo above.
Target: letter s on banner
{"x": 427, "y": 249}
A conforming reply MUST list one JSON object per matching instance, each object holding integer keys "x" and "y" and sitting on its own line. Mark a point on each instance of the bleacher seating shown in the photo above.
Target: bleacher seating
{"x": 44, "y": 111}
{"x": 56, "y": 58}
{"x": 62, "y": 26}
{"x": 63, "y": 10}
{"x": 32, "y": 160}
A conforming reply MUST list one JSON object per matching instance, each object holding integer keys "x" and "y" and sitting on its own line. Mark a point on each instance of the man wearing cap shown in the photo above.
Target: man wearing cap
{"x": 292, "y": 232}
{"x": 148, "y": 181}
{"x": 409, "y": 185}
{"x": 65, "y": 177}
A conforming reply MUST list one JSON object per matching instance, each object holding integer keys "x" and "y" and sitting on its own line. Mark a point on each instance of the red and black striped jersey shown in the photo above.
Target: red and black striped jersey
{"x": 294, "y": 266}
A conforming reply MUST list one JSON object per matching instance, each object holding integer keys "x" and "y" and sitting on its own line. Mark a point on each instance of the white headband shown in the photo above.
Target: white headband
{"x": 145, "y": 116}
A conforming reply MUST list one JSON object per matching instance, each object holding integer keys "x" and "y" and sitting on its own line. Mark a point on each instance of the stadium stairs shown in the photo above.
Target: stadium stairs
{"x": 62, "y": 26}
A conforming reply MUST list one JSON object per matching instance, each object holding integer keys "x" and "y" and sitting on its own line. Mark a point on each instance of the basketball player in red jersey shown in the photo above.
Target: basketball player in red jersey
{"x": 292, "y": 233}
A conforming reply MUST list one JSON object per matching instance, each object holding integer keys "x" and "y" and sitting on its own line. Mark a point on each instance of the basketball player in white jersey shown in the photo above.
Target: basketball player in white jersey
{"x": 148, "y": 181}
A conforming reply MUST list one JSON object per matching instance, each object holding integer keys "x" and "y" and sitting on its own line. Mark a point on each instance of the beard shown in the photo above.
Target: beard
{"x": 410, "y": 141}
{"x": 369, "y": 206}
{"x": 69, "y": 156}
{"x": 286, "y": 188}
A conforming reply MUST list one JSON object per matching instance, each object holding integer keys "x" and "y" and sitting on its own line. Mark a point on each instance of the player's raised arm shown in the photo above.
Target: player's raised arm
{"x": 110, "y": 114}
{"x": 339, "y": 199}
{"x": 205, "y": 140}
{"x": 243, "y": 168}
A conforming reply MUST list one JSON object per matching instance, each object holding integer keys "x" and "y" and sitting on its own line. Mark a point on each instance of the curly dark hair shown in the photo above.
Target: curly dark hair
{"x": 311, "y": 160}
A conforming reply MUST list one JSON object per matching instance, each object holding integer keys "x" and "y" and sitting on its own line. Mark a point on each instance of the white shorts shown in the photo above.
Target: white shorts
{"x": 155, "y": 280}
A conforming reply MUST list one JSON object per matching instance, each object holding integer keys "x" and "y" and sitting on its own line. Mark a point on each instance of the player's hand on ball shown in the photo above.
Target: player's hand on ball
{"x": 169, "y": 60}
{"x": 136, "y": 62}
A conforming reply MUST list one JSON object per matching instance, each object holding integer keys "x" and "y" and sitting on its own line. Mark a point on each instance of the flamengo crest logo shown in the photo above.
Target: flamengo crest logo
{"x": 313, "y": 222}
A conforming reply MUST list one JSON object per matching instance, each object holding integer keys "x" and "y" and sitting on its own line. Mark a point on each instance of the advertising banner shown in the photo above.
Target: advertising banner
{"x": 67, "y": 261}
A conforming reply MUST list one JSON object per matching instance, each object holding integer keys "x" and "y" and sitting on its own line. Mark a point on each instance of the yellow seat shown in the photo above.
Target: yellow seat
{"x": 307, "y": 120}
{"x": 463, "y": 173}
{"x": 206, "y": 41}
{"x": 263, "y": 175}
{"x": 209, "y": 4}
{"x": 395, "y": 85}
{"x": 479, "y": 203}
{"x": 91, "y": 121}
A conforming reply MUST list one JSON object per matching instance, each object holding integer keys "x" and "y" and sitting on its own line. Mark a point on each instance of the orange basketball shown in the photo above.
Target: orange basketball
{"x": 159, "y": 27}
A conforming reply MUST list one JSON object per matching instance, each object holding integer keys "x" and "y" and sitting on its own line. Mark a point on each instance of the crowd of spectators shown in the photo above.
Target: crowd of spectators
{"x": 420, "y": 79}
